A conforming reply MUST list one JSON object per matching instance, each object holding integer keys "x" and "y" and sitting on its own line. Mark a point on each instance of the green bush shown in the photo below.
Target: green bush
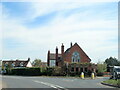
{"x": 26, "y": 71}
{"x": 58, "y": 71}
{"x": 49, "y": 71}
{"x": 33, "y": 71}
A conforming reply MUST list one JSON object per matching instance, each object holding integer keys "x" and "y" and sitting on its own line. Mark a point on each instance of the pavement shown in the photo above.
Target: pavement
{"x": 0, "y": 85}
{"x": 51, "y": 82}
{"x": 0, "y": 81}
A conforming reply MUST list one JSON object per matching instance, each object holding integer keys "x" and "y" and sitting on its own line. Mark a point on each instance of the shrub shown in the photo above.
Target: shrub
{"x": 49, "y": 71}
{"x": 101, "y": 68}
{"x": 26, "y": 71}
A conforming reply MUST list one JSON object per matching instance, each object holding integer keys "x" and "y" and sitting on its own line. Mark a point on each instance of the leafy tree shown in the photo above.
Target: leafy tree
{"x": 101, "y": 67}
{"x": 112, "y": 61}
{"x": 36, "y": 63}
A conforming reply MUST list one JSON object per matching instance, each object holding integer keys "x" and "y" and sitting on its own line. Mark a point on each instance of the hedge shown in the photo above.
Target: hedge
{"x": 33, "y": 71}
{"x": 26, "y": 71}
{"x": 47, "y": 71}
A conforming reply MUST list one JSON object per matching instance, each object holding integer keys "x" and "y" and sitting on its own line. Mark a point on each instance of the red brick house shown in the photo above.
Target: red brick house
{"x": 74, "y": 54}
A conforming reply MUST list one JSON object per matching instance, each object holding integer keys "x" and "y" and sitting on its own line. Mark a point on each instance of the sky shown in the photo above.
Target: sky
{"x": 30, "y": 29}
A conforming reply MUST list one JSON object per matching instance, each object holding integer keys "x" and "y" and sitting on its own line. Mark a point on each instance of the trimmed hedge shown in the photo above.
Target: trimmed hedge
{"x": 26, "y": 71}
{"x": 33, "y": 71}
{"x": 36, "y": 71}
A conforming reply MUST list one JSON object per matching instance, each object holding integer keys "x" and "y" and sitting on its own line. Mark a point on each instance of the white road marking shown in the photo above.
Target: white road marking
{"x": 51, "y": 85}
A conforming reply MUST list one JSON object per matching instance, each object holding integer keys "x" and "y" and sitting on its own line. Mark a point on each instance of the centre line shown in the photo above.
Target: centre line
{"x": 51, "y": 85}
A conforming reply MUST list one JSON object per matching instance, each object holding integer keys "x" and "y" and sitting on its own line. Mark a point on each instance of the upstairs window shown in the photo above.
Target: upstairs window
{"x": 52, "y": 63}
{"x": 21, "y": 64}
{"x": 13, "y": 64}
{"x": 75, "y": 57}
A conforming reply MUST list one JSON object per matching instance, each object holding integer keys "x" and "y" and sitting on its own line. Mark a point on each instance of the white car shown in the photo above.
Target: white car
{"x": 116, "y": 72}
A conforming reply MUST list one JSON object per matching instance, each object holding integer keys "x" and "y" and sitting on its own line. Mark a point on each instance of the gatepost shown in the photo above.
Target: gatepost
{"x": 82, "y": 75}
{"x": 92, "y": 75}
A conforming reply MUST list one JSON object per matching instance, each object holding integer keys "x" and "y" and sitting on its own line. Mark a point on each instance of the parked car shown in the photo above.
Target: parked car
{"x": 115, "y": 72}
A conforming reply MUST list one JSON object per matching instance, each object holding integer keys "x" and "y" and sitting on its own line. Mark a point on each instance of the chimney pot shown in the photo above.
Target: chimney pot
{"x": 28, "y": 59}
{"x": 71, "y": 44}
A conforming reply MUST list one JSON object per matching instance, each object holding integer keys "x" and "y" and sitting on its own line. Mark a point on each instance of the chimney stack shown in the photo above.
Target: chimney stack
{"x": 56, "y": 56}
{"x": 71, "y": 44}
{"x": 62, "y": 49}
{"x": 48, "y": 58}
{"x": 28, "y": 59}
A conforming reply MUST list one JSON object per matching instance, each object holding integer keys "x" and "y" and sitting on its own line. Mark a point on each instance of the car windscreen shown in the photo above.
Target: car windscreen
{"x": 117, "y": 69}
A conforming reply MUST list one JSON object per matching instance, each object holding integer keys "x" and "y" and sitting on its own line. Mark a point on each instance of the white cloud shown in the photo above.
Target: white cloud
{"x": 60, "y": 1}
{"x": 0, "y": 30}
{"x": 93, "y": 36}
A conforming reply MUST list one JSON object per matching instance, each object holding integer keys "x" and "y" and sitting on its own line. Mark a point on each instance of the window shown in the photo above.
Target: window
{"x": 72, "y": 69}
{"x": 59, "y": 58}
{"x": 77, "y": 69}
{"x": 75, "y": 57}
{"x": 81, "y": 69}
{"x": 13, "y": 64}
{"x": 86, "y": 69}
{"x": 21, "y": 64}
{"x": 52, "y": 63}
{"x": 6, "y": 64}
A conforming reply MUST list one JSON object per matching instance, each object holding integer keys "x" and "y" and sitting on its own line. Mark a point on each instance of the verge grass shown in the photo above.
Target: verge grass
{"x": 113, "y": 82}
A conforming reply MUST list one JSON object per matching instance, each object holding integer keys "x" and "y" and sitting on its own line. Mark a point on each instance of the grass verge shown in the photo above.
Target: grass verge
{"x": 112, "y": 82}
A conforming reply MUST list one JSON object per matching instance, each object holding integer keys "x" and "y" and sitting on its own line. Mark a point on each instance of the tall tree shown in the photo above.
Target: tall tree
{"x": 112, "y": 61}
{"x": 36, "y": 63}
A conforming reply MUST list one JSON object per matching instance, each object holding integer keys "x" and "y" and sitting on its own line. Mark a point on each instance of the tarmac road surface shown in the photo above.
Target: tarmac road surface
{"x": 51, "y": 82}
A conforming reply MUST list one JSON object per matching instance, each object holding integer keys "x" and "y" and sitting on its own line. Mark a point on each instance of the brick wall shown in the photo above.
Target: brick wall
{"x": 83, "y": 56}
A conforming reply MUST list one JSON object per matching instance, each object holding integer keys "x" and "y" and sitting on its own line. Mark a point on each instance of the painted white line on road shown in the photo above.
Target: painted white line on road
{"x": 46, "y": 84}
{"x": 51, "y": 85}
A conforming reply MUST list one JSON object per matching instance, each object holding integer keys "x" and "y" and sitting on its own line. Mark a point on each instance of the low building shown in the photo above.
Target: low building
{"x": 16, "y": 63}
{"x": 0, "y": 66}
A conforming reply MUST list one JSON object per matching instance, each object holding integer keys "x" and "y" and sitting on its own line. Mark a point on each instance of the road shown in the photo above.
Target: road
{"x": 50, "y": 82}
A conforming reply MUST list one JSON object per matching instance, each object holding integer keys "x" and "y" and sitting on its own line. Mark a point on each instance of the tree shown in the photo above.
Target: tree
{"x": 112, "y": 61}
{"x": 36, "y": 63}
{"x": 101, "y": 67}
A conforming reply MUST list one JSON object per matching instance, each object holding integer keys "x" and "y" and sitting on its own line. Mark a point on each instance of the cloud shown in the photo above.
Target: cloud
{"x": 60, "y": 1}
{"x": 0, "y": 29}
{"x": 93, "y": 32}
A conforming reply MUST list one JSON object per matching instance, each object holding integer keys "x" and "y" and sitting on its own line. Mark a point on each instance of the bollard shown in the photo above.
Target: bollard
{"x": 92, "y": 75}
{"x": 82, "y": 75}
